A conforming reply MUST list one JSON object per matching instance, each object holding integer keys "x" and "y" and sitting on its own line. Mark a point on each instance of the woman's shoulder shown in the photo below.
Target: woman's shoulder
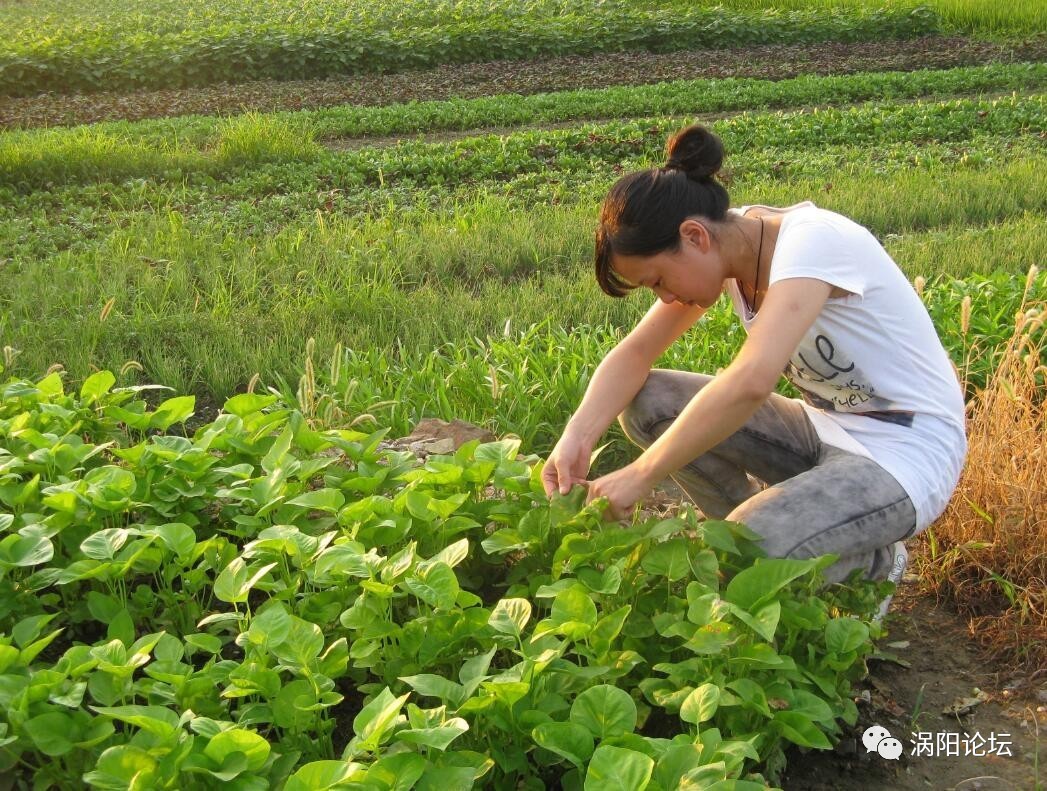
{"x": 759, "y": 209}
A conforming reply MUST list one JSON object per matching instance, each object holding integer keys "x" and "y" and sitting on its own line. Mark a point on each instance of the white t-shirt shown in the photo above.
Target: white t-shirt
{"x": 874, "y": 376}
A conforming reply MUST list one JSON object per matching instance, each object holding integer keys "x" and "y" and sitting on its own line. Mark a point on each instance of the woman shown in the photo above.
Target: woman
{"x": 870, "y": 456}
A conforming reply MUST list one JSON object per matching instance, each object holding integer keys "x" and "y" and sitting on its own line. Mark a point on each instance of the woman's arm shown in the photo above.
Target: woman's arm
{"x": 621, "y": 374}
{"x": 722, "y": 406}
{"x": 616, "y": 381}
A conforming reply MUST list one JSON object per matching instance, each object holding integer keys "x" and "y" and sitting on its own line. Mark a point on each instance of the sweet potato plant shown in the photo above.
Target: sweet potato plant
{"x": 258, "y": 604}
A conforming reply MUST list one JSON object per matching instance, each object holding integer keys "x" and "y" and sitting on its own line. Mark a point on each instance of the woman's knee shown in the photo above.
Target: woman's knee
{"x": 662, "y": 398}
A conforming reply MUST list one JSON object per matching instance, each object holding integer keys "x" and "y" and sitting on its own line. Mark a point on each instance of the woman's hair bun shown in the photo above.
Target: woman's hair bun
{"x": 695, "y": 150}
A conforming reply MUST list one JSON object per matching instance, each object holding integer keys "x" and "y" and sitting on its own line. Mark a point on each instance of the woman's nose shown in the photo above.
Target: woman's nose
{"x": 665, "y": 295}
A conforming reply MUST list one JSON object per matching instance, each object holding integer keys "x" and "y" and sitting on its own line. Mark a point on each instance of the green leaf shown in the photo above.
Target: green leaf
{"x": 246, "y": 404}
{"x": 566, "y": 739}
{"x": 205, "y": 642}
{"x": 434, "y": 686}
{"x": 761, "y": 582}
{"x": 173, "y": 410}
{"x": 668, "y": 559}
{"x": 237, "y": 740}
{"x": 510, "y": 616}
{"x": 437, "y": 738}
{"x": 16, "y": 550}
{"x": 701, "y": 704}
{"x": 843, "y": 635}
{"x": 53, "y": 733}
{"x": 605, "y": 711}
{"x": 277, "y": 452}
{"x": 810, "y": 705}
{"x": 104, "y": 544}
{"x": 675, "y": 762}
{"x": 329, "y": 500}
{"x": 608, "y": 628}
{"x": 51, "y": 385}
{"x": 176, "y": 536}
{"x": 704, "y": 608}
{"x": 271, "y": 626}
{"x": 618, "y": 769}
{"x": 156, "y": 720}
{"x": 712, "y": 638}
{"x": 452, "y": 555}
{"x": 233, "y": 583}
{"x": 719, "y": 535}
{"x": 28, "y": 629}
{"x": 751, "y": 693}
{"x": 96, "y": 386}
{"x": 607, "y": 581}
{"x": 573, "y": 604}
{"x": 373, "y": 722}
{"x": 705, "y": 566}
{"x": 302, "y": 645}
{"x": 764, "y": 621}
{"x": 799, "y": 729}
{"x": 124, "y": 767}
{"x": 324, "y": 775}
{"x": 436, "y": 585}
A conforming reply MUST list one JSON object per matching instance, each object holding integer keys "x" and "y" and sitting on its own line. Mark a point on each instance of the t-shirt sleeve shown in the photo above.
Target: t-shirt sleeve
{"x": 818, "y": 248}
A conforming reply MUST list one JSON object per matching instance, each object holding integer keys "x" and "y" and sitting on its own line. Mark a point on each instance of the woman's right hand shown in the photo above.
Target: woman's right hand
{"x": 567, "y": 465}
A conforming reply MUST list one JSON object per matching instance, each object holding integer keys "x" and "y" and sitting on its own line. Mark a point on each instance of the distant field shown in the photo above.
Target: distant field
{"x": 82, "y": 46}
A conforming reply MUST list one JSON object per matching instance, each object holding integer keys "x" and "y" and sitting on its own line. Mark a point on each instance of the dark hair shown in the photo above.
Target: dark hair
{"x": 642, "y": 212}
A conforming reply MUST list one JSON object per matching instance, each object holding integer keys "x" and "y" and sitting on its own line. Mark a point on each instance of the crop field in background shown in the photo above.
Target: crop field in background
{"x": 239, "y": 582}
{"x": 69, "y": 46}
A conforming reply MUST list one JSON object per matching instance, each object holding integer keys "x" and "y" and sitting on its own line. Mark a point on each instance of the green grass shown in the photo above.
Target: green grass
{"x": 967, "y": 16}
{"x": 527, "y": 380}
{"x": 204, "y": 309}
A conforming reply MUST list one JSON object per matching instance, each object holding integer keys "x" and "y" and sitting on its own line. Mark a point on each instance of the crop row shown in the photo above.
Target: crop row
{"x": 44, "y": 159}
{"x": 678, "y": 97}
{"x": 269, "y": 605}
{"x": 114, "y": 56}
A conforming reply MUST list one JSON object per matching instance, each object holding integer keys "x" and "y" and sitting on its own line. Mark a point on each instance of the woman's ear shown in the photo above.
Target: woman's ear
{"x": 695, "y": 232}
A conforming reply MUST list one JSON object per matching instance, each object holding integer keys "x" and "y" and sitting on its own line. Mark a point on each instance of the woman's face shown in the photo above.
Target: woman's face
{"x": 692, "y": 274}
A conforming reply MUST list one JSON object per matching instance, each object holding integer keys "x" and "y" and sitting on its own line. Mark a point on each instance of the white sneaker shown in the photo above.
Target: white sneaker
{"x": 900, "y": 561}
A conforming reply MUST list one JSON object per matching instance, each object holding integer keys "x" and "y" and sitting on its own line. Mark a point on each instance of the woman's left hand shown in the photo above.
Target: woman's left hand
{"x": 623, "y": 489}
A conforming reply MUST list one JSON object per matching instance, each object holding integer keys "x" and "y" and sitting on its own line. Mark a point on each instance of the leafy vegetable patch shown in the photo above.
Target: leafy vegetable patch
{"x": 266, "y": 605}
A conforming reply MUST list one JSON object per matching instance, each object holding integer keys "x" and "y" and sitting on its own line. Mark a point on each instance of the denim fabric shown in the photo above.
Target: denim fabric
{"x": 775, "y": 475}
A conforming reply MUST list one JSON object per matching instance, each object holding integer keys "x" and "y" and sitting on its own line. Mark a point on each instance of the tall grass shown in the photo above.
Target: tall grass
{"x": 988, "y": 552}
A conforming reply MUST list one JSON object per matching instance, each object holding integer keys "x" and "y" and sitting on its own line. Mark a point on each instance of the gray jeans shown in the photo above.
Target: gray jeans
{"x": 775, "y": 475}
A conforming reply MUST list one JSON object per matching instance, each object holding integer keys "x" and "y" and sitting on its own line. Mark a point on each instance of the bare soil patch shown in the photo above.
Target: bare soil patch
{"x": 523, "y": 77}
{"x": 945, "y": 668}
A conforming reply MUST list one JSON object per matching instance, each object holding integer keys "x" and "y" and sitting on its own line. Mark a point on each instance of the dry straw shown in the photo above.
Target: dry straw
{"x": 988, "y": 552}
